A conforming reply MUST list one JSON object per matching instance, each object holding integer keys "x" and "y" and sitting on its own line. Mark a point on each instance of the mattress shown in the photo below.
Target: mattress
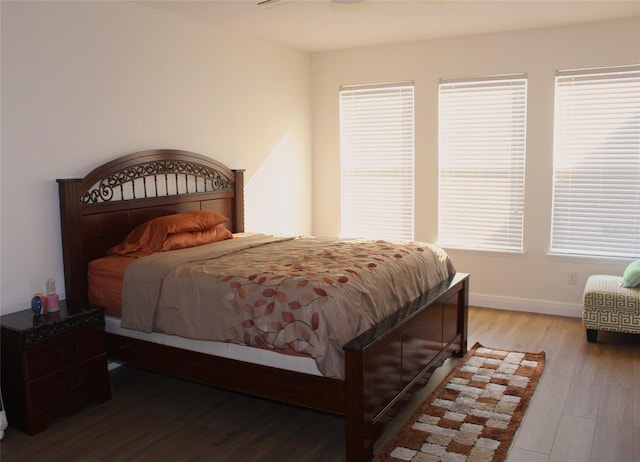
{"x": 257, "y": 297}
{"x": 105, "y": 279}
{"x": 105, "y": 289}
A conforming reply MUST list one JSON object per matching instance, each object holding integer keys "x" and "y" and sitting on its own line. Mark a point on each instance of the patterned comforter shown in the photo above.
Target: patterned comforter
{"x": 311, "y": 295}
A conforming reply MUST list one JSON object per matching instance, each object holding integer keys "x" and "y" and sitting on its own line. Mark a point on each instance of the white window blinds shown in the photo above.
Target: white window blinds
{"x": 481, "y": 154}
{"x": 596, "y": 162}
{"x": 376, "y": 161}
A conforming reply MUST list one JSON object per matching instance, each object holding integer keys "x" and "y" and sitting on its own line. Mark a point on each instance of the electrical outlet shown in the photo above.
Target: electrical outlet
{"x": 572, "y": 278}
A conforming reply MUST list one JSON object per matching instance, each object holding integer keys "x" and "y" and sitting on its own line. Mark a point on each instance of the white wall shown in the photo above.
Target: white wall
{"x": 85, "y": 82}
{"x": 531, "y": 281}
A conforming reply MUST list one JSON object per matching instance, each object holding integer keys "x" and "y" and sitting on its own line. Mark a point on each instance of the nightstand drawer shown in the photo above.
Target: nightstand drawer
{"x": 52, "y": 364}
{"x": 86, "y": 378}
{"x": 64, "y": 350}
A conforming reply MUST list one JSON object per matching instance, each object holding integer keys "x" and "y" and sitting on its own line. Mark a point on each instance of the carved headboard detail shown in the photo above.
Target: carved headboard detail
{"x": 99, "y": 210}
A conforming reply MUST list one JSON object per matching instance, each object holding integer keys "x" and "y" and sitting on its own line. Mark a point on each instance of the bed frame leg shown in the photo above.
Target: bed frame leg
{"x": 358, "y": 441}
{"x": 463, "y": 316}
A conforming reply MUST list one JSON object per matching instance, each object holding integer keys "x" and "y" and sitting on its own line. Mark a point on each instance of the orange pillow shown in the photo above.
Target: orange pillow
{"x": 184, "y": 240}
{"x": 149, "y": 237}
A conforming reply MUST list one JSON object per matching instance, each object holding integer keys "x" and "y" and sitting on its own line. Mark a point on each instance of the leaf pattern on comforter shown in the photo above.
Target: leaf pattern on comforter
{"x": 312, "y": 295}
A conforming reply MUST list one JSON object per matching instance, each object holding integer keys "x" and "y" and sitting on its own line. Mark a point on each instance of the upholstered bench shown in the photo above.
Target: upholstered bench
{"x": 610, "y": 306}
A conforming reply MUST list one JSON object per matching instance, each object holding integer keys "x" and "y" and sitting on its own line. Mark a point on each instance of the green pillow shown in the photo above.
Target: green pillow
{"x": 631, "y": 276}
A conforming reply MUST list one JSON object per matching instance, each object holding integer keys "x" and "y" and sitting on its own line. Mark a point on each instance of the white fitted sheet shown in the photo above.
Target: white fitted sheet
{"x": 249, "y": 354}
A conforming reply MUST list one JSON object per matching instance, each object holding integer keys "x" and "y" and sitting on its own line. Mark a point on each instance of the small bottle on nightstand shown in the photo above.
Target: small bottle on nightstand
{"x": 53, "y": 304}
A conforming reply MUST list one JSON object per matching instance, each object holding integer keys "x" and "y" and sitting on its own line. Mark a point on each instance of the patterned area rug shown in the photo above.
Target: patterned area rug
{"x": 474, "y": 413}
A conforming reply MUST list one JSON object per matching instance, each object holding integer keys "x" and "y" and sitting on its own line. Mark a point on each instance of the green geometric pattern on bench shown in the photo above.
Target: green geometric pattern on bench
{"x": 609, "y": 306}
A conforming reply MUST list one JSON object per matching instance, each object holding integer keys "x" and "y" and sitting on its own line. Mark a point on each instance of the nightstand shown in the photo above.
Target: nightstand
{"x": 52, "y": 365}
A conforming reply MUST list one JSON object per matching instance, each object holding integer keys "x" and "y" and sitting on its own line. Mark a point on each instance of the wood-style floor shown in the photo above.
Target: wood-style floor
{"x": 586, "y": 408}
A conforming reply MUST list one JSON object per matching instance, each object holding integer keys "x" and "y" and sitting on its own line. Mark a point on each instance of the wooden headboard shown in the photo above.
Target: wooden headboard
{"x": 99, "y": 210}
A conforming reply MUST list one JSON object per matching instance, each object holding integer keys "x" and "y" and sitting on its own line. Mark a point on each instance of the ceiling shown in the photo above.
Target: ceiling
{"x": 323, "y": 25}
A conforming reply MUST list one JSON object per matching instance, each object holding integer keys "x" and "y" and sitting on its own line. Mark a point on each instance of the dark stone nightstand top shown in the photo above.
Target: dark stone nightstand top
{"x": 34, "y": 329}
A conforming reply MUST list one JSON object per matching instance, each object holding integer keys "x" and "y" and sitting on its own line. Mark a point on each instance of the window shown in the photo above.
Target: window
{"x": 596, "y": 163}
{"x": 376, "y": 161}
{"x": 481, "y": 162}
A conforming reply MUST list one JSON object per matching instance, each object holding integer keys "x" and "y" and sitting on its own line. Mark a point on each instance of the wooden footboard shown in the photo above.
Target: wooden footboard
{"x": 387, "y": 364}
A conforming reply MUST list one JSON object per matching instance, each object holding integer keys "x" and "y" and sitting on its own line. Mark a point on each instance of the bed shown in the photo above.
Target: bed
{"x": 382, "y": 366}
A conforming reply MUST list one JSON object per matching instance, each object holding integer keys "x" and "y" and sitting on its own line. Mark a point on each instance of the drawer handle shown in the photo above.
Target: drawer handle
{"x": 72, "y": 386}
{"x": 62, "y": 353}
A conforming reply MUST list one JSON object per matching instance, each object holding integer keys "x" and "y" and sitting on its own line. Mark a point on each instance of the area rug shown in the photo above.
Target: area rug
{"x": 474, "y": 413}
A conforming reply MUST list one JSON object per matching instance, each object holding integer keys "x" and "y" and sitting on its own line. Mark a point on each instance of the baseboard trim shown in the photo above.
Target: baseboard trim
{"x": 525, "y": 304}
